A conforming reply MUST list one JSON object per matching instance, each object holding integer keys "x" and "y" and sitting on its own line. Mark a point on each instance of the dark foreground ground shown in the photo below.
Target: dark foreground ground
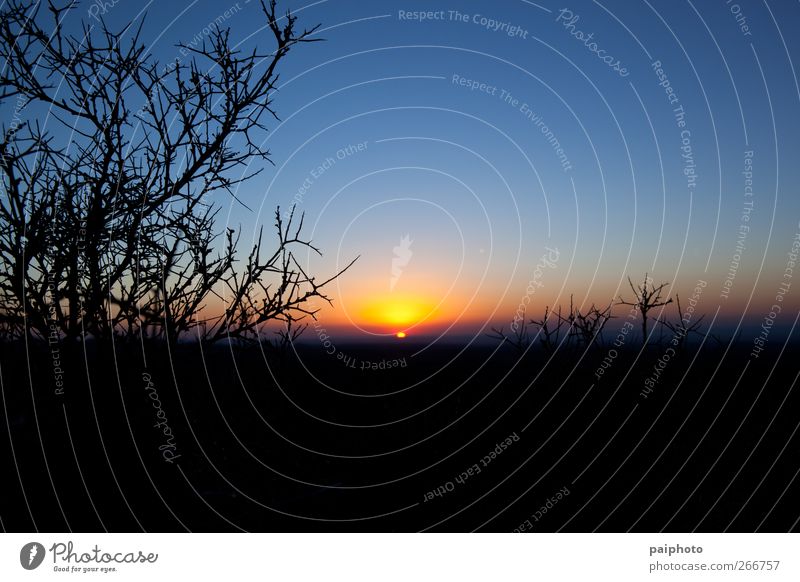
{"x": 452, "y": 438}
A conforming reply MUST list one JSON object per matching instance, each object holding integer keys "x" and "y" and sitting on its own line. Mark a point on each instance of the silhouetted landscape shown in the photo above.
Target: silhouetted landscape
{"x": 237, "y": 416}
{"x": 314, "y": 268}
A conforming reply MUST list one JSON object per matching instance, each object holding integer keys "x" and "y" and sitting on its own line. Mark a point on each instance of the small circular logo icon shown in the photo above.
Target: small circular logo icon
{"x": 31, "y": 555}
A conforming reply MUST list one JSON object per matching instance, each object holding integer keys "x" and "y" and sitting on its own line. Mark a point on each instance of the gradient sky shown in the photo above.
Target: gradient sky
{"x": 476, "y": 185}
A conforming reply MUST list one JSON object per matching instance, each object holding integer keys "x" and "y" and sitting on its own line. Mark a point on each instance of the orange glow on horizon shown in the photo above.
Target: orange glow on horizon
{"x": 397, "y": 311}
{"x": 364, "y": 307}
{"x": 400, "y": 334}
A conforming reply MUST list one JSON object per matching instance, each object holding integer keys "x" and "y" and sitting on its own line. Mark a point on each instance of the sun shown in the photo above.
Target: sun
{"x": 402, "y": 313}
{"x": 400, "y": 334}
{"x": 397, "y": 313}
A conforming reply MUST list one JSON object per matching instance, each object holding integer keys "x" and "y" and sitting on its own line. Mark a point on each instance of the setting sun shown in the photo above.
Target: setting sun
{"x": 398, "y": 312}
{"x": 400, "y": 334}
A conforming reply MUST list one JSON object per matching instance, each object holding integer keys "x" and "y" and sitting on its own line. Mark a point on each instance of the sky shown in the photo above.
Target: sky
{"x": 506, "y": 154}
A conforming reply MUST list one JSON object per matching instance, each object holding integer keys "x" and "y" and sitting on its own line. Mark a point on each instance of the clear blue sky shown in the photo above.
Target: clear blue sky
{"x": 478, "y": 185}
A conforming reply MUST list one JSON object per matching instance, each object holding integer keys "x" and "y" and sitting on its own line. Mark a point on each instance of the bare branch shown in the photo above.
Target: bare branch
{"x": 646, "y": 297}
{"x": 113, "y": 232}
